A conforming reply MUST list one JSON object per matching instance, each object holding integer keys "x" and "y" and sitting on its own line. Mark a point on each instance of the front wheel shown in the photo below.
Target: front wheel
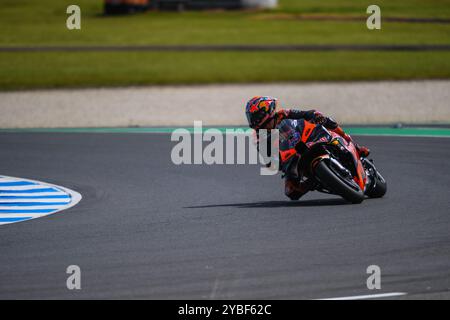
{"x": 348, "y": 190}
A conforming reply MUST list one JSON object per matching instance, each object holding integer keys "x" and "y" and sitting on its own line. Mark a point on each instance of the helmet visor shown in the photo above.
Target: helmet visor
{"x": 256, "y": 119}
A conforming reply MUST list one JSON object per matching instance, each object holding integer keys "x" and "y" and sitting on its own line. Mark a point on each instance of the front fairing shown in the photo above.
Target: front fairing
{"x": 297, "y": 137}
{"x": 302, "y": 141}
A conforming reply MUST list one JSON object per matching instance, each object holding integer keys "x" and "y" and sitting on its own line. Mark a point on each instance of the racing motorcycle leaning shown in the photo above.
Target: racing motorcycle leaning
{"x": 309, "y": 150}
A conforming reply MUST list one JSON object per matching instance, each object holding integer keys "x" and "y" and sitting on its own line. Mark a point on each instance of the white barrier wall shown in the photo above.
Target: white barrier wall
{"x": 259, "y": 3}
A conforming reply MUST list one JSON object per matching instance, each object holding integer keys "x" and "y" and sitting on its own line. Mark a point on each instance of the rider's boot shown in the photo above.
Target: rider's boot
{"x": 295, "y": 189}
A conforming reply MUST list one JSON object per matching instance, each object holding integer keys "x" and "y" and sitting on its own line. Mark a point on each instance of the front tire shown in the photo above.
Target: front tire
{"x": 336, "y": 184}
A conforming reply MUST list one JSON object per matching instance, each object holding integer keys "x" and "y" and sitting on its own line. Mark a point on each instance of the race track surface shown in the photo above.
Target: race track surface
{"x": 149, "y": 229}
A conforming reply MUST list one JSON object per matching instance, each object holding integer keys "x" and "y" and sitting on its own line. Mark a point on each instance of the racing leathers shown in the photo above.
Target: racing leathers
{"x": 296, "y": 185}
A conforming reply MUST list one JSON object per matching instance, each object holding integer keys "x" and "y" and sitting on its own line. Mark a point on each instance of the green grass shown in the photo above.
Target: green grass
{"x": 46, "y": 70}
{"x": 389, "y": 8}
{"x": 26, "y": 22}
{"x": 33, "y": 22}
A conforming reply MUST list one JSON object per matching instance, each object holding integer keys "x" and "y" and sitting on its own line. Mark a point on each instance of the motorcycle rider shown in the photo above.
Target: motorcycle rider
{"x": 262, "y": 113}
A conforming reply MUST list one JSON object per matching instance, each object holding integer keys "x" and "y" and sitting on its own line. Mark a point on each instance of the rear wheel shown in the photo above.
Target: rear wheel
{"x": 344, "y": 187}
{"x": 379, "y": 188}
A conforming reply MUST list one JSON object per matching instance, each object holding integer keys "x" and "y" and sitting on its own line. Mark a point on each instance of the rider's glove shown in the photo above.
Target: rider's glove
{"x": 280, "y": 115}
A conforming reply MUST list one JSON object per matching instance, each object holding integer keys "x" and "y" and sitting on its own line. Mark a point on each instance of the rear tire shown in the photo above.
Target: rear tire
{"x": 336, "y": 185}
{"x": 379, "y": 189}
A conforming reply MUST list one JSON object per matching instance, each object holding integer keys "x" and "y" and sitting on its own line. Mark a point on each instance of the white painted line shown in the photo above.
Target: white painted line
{"x": 19, "y": 188}
{"x": 33, "y": 207}
{"x": 59, "y": 193}
{"x": 37, "y": 200}
{"x": 22, "y": 215}
{"x": 370, "y": 296}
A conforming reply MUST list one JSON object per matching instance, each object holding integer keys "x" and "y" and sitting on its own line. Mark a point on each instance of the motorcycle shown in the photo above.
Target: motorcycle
{"x": 310, "y": 150}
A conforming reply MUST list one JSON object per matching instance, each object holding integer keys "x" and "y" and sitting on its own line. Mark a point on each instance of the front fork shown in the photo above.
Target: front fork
{"x": 371, "y": 173}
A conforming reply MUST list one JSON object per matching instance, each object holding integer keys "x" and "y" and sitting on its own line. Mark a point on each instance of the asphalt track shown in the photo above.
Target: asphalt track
{"x": 149, "y": 229}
